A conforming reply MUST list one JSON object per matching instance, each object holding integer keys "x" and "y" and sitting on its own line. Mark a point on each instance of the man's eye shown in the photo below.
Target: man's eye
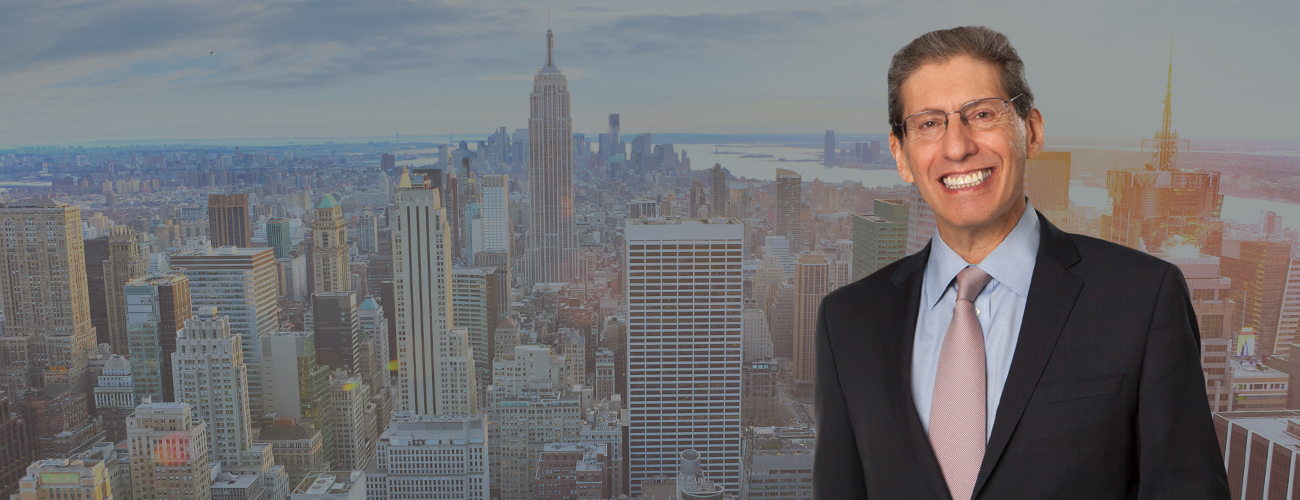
{"x": 928, "y": 124}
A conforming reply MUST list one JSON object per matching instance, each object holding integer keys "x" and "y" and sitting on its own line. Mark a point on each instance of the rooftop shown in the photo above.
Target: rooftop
{"x": 1271, "y": 425}
{"x": 329, "y": 483}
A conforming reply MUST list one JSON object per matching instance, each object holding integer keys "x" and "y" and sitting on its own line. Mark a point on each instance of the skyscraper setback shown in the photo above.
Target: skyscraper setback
{"x": 552, "y": 239}
{"x": 329, "y": 251}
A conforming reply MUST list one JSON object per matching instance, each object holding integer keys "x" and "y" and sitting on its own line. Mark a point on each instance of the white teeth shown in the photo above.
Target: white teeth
{"x": 966, "y": 180}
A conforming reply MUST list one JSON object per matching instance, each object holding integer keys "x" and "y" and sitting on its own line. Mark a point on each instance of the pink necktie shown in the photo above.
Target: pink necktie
{"x": 958, "y": 417}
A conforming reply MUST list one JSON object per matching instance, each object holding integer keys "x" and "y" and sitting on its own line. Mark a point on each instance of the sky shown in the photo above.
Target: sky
{"x": 95, "y": 70}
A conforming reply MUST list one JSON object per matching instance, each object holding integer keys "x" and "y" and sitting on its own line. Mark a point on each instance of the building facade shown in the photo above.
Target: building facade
{"x": 156, "y": 309}
{"x": 684, "y": 371}
{"x": 430, "y": 457}
{"x": 169, "y": 453}
{"x": 552, "y": 238}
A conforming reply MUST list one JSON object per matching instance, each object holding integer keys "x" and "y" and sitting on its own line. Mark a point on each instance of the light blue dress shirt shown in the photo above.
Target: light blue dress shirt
{"x": 1001, "y": 307}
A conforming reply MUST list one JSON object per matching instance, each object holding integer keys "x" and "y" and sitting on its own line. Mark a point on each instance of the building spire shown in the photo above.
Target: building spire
{"x": 550, "y": 49}
{"x": 1168, "y": 138}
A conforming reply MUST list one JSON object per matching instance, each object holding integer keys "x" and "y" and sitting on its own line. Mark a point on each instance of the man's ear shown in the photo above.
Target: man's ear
{"x": 1033, "y": 133}
{"x": 896, "y": 149}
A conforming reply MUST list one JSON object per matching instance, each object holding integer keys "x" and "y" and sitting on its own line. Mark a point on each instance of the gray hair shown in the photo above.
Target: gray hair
{"x": 939, "y": 46}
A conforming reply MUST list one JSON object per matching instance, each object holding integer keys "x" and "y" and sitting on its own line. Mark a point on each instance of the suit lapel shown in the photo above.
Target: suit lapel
{"x": 1052, "y": 293}
{"x": 909, "y": 279}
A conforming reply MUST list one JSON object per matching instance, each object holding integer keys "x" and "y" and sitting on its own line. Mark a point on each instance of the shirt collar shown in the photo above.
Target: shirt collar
{"x": 1006, "y": 264}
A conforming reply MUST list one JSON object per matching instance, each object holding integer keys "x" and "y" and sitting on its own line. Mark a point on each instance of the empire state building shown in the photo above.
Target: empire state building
{"x": 552, "y": 240}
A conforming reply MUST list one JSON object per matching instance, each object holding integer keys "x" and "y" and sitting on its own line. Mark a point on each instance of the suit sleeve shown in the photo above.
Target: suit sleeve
{"x": 1179, "y": 452}
{"x": 837, "y": 466}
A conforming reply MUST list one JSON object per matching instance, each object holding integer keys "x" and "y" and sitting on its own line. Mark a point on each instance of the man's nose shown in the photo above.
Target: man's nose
{"x": 958, "y": 139}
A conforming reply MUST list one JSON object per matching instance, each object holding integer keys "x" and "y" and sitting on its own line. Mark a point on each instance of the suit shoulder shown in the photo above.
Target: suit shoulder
{"x": 1101, "y": 257}
{"x": 882, "y": 282}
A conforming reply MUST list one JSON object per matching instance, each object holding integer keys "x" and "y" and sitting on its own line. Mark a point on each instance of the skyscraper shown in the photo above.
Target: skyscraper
{"x": 427, "y": 456}
{"x": 498, "y": 234}
{"x": 719, "y": 195}
{"x": 354, "y": 422}
{"x": 368, "y": 233}
{"x": 329, "y": 251}
{"x": 296, "y": 385}
{"x": 615, "y": 143}
{"x": 156, "y": 310}
{"x": 96, "y": 250}
{"x": 210, "y": 375}
{"x": 879, "y": 239}
{"x": 828, "y": 149}
{"x": 241, "y": 284}
{"x": 684, "y": 363}
{"x": 789, "y": 206}
{"x": 810, "y": 281}
{"x": 422, "y": 294}
{"x": 338, "y": 330}
{"x": 1258, "y": 270}
{"x": 279, "y": 236}
{"x": 228, "y": 220}
{"x": 47, "y": 334}
{"x": 552, "y": 239}
{"x": 124, "y": 264}
{"x": 1160, "y": 206}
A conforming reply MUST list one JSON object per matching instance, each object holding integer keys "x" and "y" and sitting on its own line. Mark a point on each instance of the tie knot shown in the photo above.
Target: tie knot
{"x": 970, "y": 282}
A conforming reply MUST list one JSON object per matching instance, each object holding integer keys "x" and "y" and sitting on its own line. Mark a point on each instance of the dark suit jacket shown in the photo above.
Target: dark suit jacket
{"x": 1105, "y": 396}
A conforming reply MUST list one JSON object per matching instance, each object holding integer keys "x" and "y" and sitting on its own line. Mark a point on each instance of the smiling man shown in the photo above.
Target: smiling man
{"x": 1007, "y": 359}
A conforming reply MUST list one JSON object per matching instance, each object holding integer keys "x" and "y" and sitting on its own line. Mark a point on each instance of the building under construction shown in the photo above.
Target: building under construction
{"x": 1160, "y": 207}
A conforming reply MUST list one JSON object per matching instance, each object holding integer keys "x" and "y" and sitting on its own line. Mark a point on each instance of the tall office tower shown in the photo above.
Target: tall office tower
{"x": 498, "y": 233}
{"x": 719, "y": 195}
{"x": 451, "y": 196}
{"x": 430, "y": 456}
{"x": 1258, "y": 270}
{"x": 387, "y": 162}
{"x": 763, "y": 380}
{"x": 15, "y": 447}
{"x": 279, "y": 236}
{"x": 293, "y": 286}
{"x": 738, "y": 202}
{"x": 679, "y": 366}
{"x": 114, "y": 397}
{"x": 125, "y": 263}
{"x": 470, "y": 310}
{"x": 296, "y": 386}
{"x": 604, "y": 374}
{"x": 47, "y": 331}
{"x": 641, "y": 148}
{"x": 789, "y": 207}
{"x": 552, "y": 239}
{"x": 368, "y": 233}
{"x": 779, "y": 307}
{"x": 422, "y": 294}
{"x": 581, "y": 148}
{"x": 1047, "y": 181}
{"x": 828, "y": 149}
{"x": 1288, "y": 323}
{"x": 354, "y": 422}
{"x": 241, "y": 284}
{"x": 169, "y": 453}
{"x": 757, "y": 337}
{"x": 879, "y": 239}
{"x": 779, "y": 462}
{"x": 1161, "y": 206}
{"x": 810, "y": 283}
{"x": 374, "y": 324}
{"x": 329, "y": 251}
{"x": 228, "y": 220}
{"x": 96, "y": 250}
{"x": 920, "y": 221}
{"x": 210, "y": 375}
{"x": 65, "y": 478}
{"x": 615, "y": 142}
{"x": 338, "y": 330}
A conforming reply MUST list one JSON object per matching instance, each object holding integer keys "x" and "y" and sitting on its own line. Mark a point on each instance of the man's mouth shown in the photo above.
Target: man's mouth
{"x": 969, "y": 179}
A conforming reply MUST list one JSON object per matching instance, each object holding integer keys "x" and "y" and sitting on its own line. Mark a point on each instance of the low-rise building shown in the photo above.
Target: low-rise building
{"x": 430, "y": 456}
{"x": 572, "y": 471}
{"x": 65, "y": 479}
{"x": 227, "y": 486}
{"x": 778, "y": 463}
{"x": 1261, "y": 452}
{"x": 333, "y": 485}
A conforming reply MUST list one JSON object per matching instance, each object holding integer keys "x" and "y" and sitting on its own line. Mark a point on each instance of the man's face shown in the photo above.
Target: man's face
{"x": 964, "y": 155}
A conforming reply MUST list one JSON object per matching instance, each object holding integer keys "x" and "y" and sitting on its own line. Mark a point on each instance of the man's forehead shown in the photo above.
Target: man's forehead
{"x": 947, "y": 85}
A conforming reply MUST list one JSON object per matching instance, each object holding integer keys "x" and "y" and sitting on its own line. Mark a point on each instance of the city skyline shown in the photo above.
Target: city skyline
{"x": 429, "y": 69}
